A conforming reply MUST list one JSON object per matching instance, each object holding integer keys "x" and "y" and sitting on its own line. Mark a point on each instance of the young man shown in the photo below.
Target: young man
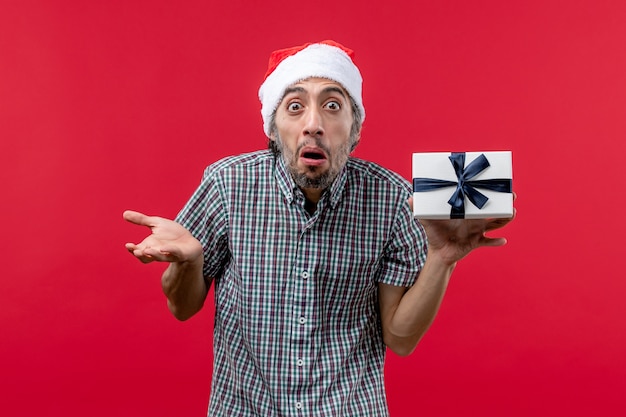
{"x": 315, "y": 255}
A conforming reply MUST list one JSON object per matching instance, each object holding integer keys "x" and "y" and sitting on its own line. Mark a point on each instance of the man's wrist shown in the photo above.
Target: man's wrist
{"x": 438, "y": 260}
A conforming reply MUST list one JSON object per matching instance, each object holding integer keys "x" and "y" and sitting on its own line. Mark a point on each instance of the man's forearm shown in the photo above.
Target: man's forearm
{"x": 418, "y": 306}
{"x": 185, "y": 288}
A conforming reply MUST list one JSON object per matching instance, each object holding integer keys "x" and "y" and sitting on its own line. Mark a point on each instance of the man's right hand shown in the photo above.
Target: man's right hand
{"x": 168, "y": 242}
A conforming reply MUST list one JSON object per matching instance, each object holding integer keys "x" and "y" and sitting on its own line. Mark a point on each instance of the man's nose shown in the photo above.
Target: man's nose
{"x": 313, "y": 125}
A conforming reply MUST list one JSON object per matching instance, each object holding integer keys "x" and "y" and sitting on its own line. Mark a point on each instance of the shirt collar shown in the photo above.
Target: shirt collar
{"x": 290, "y": 190}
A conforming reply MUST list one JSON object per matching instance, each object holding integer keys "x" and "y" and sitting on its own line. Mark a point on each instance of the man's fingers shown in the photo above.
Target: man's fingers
{"x": 139, "y": 253}
{"x": 498, "y": 223}
{"x": 138, "y": 218}
{"x": 489, "y": 241}
{"x": 148, "y": 254}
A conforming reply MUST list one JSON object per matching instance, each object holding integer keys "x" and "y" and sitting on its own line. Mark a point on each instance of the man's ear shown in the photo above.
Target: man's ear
{"x": 272, "y": 136}
{"x": 356, "y": 141}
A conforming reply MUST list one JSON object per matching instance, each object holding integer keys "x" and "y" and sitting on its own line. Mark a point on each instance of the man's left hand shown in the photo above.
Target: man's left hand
{"x": 453, "y": 239}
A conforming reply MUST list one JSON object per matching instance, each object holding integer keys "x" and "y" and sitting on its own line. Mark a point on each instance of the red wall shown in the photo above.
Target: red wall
{"x": 106, "y": 106}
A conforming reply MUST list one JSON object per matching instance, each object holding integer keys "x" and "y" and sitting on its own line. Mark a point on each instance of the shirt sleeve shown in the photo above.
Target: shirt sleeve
{"x": 405, "y": 253}
{"x": 206, "y": 218}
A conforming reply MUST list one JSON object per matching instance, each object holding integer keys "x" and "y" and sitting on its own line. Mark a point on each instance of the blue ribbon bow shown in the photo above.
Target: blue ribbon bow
{"x": 465, "y": 185}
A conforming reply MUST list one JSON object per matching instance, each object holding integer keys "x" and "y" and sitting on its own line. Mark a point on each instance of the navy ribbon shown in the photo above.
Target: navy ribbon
{"x": 465, "y": 187}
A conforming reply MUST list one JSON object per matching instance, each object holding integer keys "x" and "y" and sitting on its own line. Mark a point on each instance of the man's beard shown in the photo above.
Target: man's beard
{"x": 321, "y": 180}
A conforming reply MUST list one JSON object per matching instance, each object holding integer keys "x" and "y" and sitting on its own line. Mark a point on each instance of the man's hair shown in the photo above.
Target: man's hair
{"x": 354, "y": 130}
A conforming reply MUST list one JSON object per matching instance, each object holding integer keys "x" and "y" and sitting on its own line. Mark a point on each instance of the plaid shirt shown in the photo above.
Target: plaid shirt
{"x": 297, "y": 330}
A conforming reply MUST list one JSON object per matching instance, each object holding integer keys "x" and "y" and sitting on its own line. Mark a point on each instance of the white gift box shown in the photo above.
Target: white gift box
{"x": 470, "y": 185}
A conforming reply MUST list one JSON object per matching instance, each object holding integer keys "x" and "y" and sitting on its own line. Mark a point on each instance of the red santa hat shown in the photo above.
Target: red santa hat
{"x": 326, "y": 59}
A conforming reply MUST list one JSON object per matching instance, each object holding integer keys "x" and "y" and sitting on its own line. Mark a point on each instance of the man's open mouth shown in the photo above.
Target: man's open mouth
{"x": 313, "y": 156}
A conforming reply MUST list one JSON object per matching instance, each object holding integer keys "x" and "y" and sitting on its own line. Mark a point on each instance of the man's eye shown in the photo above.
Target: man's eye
{"x": 294, "y": 106}
{"x": 333, "y": 105}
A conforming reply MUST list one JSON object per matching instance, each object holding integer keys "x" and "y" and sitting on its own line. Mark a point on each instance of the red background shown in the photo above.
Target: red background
{"x": 106, "y": 106}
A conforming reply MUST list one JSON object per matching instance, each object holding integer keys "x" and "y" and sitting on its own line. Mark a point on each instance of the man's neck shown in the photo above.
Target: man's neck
{"x": 312, "y": 195}
{"x": 311, "y": 198}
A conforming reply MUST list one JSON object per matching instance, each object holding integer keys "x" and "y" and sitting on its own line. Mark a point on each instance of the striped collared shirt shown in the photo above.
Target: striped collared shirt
{"x": 297, "y": 330}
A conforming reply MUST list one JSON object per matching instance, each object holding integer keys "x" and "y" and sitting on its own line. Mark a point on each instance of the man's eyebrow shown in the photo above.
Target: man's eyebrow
{"x": 290, "y": 90}
{"x": 331, "y": 89}
{"x": 334, "y": 89}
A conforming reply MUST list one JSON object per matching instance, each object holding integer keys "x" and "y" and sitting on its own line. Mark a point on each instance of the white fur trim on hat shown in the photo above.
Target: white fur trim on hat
{"x": 316, "y": 60}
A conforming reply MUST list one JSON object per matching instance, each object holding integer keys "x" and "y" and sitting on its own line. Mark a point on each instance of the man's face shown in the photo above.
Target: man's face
{"x": 313, "y": 131}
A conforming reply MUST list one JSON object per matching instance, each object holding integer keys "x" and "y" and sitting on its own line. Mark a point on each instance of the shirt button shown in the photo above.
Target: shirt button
{"x": 299, "y": 405}
{"x": 299, "y": 362}
{"x": 302, "y": 320}
{"x": 304, "y": 274}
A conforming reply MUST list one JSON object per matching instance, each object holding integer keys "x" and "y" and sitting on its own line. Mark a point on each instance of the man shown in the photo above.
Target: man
{"x": 315, "y": 255}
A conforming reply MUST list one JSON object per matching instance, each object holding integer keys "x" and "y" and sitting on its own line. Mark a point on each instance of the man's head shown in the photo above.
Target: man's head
{"x": 312, "y": 110}
{"x": 326, "y": 59}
